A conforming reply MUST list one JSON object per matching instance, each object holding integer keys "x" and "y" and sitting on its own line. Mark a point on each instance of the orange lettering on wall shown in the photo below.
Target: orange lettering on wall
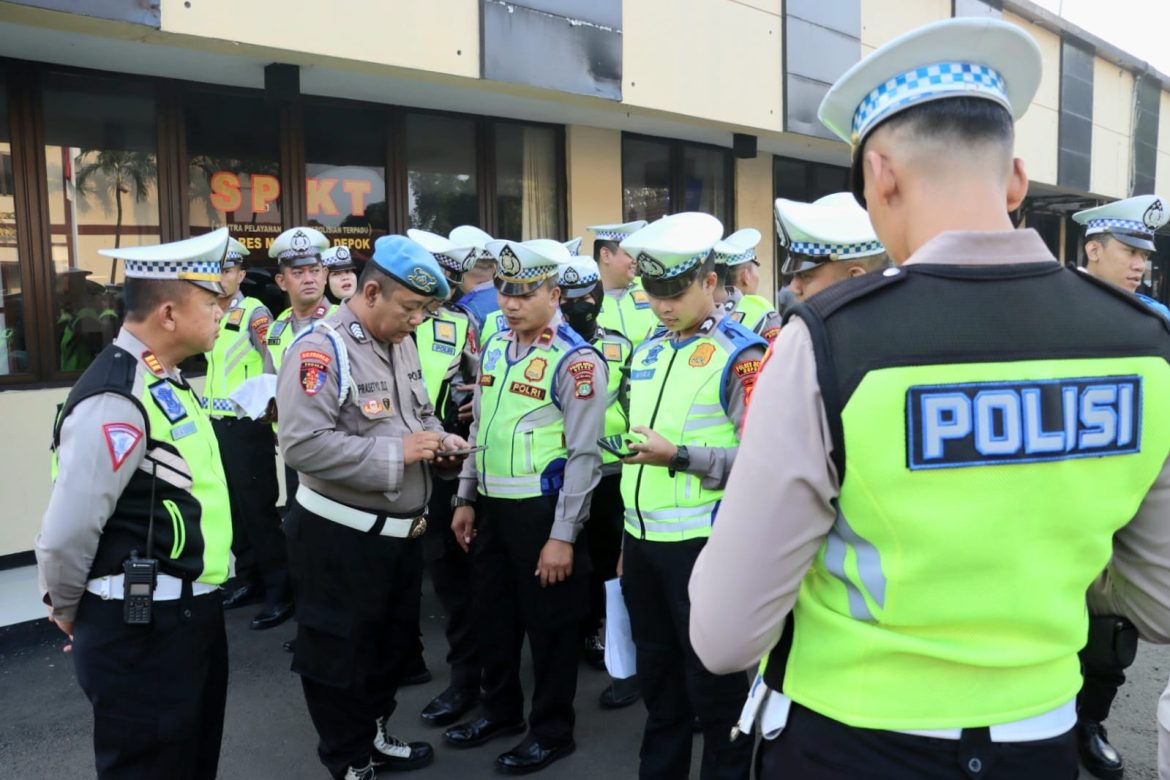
{"x": 265, "y": 189}
{"x": 320, "y": 197}
{"x": 225, "y": 191}
{"x": 357, "y": 189}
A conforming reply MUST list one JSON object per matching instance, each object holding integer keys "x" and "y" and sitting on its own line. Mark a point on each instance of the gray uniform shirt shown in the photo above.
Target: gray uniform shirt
{"x": 584, "y": 425}
{"x": 353, "y": 453}
{"x": 771, "y": 321}
{"x": 93, "y": 469}
{"x": 778, "y": 507}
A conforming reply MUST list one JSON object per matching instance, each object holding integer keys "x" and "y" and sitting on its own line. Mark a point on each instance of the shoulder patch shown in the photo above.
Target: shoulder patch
{"x": 357, "y": 331}
{"x": 120, "y": 439}
{"x": 314, "y": 371}
{"x": 260, "y": 325}
{"x": 771, "y": 333}
{"x": 234, "y": 318}
{"x": 640, "y": 298}
{"x": 152, "y": 362}
{"x": 746, "y": 372}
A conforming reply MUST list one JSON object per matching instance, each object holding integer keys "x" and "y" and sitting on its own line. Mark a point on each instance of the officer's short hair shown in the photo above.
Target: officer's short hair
{"x": 372, "y": 273}
{"x": 603, "y": 243}
{"x": 957, "y": 122}
{"x": 142, "y": 296}
{"x": 1101, "y": 238}
{"x": 723, "y": 272}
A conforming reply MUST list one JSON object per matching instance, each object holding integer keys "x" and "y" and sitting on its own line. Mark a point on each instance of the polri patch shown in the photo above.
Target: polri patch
{"x": 446, "y": 349}
{"x": 529, "y": 391}
{"x": 487, "y": 380}
{"x": 1027, "y": 421}
{"x": 641, "y": 373}
{"x": 168, "y": 403}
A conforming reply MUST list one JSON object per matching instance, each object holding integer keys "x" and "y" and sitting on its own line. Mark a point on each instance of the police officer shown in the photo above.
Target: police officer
{"x": 826, "y": 241}
{"x": 946, "y": 495}
{"x": 341, "y": 273}
{"x": 139, "y": 511}
{"x": 447, "y": 349}
{"x": 248, "y": 448}
{"x": 689, "y": 387}
{"x": 301, "y": 275}
{"x": 1119, "y": 238}
{"x": 539, "y": 411}
{"x": 359, "y": 429}
{"x": 478, "y": 291}
{"x": 581, "y": 297}
{"x": 739, "y": 281}
{"x": 626, "y": 309}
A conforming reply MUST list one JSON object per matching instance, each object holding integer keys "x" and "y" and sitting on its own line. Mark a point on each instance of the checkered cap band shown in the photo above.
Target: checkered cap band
{"x": 843, "y": 251}
{"x": 1128, "y": 225}
{"x": 296, "y": 254}
{"x": 448, "y": 262}
{"x": 649, "y": 265}
{"x": 571, "y": 277}
{"x": 172, "y": 269}
{"x": 730, "y": 259}
{"x": 946, "y": 79}
{"x": 236, "y": 256}
{"x": 612, "y": 235}
{"x": 218, "y": 404}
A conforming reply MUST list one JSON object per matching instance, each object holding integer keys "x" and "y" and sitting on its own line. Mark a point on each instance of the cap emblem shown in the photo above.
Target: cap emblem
{"x": 650, "y": 266}
{"x": 422, "y": 280}
{"x": 571, "y": 276}
{"x": 1155, "y": 215}
{"x": 300, "y": 242}
{"x": 509, "y": 263}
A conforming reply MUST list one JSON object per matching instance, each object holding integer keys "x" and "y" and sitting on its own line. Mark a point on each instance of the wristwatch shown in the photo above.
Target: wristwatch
{"x": 457, "y": 502}
{"x": 681, "y": 460}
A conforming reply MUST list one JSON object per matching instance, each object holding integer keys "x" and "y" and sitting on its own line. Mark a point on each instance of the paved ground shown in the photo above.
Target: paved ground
{"x": 45, "y": 726}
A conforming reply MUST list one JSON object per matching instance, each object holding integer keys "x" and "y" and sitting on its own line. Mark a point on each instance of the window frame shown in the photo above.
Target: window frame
{"x": 676, "y": 153}
{"x": 24, "y": 83}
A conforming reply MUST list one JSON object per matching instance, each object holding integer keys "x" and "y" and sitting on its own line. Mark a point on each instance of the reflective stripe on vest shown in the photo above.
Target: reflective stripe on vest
{"x": 232, "y": 361}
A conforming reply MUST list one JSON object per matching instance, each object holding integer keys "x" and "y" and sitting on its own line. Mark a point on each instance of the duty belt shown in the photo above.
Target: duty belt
{"x": 373, "y": 523}
{"x": 166, "y": 587}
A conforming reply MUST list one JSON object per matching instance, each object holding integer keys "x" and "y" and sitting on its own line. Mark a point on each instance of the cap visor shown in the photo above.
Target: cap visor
{"x": 797, "y": 263}
{"x": 214, "y": 287}
{"x": 301, "y": 262}
{"x": 573, "y": 293}
{"x": 518, "y": 289}
{"x": 669, "y": 288}
{"x": 1137, "y": 242}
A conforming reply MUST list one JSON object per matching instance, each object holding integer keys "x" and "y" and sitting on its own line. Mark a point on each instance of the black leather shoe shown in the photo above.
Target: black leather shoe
{"x": 1099, "y": 757}
{"x": 416, "y": 673}
{"x": 272, "y": 616}
{"x": 245, "y": 594}
{"x": 476, "y": 732}
{"x": 595, "y": 652}
{"x": 531, "y": 756}
{"x": 391, "y": 754}
{"x": 449, "y": 706}
{"x": 620, "y": 693}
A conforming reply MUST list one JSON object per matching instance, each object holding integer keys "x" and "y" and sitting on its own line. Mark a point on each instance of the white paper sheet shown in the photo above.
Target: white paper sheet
{"x": 251, "y": 398}
{"x": 619, "y": 640}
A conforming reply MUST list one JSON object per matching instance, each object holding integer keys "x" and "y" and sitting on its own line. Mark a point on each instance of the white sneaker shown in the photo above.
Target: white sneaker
{"x": 395, "y": 755}
{"x": 389, "y": 745}
{"x": 361, "y": 773}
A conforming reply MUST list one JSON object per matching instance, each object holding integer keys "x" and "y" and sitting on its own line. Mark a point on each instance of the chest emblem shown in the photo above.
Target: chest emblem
{"x": 640, "y": 298}
{"x": 372, "y": 407}
{"x": 168, "y": 403}
{"x": 534, "y": 371}
{"x": 445, "y": 332}
{"x": 490, "y": 360}
{"x": 702, "y": 355}
{"x": 611, "y": 351}
{"x": 652, "y": 355}
{"x": 235, "y": 317}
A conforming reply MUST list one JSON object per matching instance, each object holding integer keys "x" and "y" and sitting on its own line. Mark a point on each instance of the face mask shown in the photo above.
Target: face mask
{"x": 581, "y": 313}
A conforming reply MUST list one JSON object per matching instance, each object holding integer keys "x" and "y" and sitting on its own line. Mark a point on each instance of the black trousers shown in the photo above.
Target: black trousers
{"x": 450, "y": 570}
{"x": 1109, "y": 650}
{"x": 604, "y": 535}
{"x": 813, "y": 747}
{"x": 675, "y": 685}
{"x": 248, "y": 451}
{"x": 158, "y": 691}
{"x": 509, "y": 604}
{"x": 357, "y": 613}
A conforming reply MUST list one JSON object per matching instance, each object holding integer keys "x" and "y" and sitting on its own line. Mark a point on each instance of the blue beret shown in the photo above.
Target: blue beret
{"x": 409, "y": 263}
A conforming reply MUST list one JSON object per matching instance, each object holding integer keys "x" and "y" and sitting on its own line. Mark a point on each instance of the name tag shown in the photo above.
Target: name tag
{"x": 642, "y": 373}
{"x": 1003, "y": 423}
{"x": 179, "y": 431}
{"x": 446, "y": 349}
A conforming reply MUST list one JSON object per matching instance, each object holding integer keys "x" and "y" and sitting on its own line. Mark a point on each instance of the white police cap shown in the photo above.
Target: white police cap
{"x": 964, "y": 57}
{"x": 525, "y": 266}
{"x": 574, "y": 246}
{"x": 579, "y": 276}
{"x": 338, "y": 258}
{"x": 1132, "y": 221}
{"x": 470, "y": 235}
{"x": 452, "y": 257}
{"x": 829, "y": 229}
{"x": 299, "y": 246}
{"x": 198, "y": 260}
{"x": 668, "y": 250}
{"x": 236, "y": 252}
{"x": 617, "y": 232}
{"x": 738, "y": 248}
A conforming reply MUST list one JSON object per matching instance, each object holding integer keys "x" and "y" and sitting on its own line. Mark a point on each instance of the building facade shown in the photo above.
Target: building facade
{"x": 132, "y": 122}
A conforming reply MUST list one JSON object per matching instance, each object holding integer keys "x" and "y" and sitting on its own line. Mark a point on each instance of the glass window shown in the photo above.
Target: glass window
{"x": 527, "y": 194}
{"x": 13, "y": 327}
{"x": 646, "y": 179}
{"x": 807, "y": 181}
{"x": 100, "y": 156}
{"x": 233, "y": 168}
{"x": 345, "y": 175}
{"x": 441, "y": 172}
{"x": 706, "y": 181}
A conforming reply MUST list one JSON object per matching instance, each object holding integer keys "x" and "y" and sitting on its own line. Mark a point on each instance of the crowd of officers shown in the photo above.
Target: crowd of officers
{"x": 527, "y": 423}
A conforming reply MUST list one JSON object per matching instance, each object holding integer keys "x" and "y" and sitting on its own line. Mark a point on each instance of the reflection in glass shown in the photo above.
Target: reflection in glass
{"x": 13, "y": 329}
{"x": 100, "y": 157}
{"x": 645, "y": 179}
{"x": 527, "y": 201}
{"x": 441, "y": 172}
{"x": 705, "y": 180}
{"x": 345, "y": 176}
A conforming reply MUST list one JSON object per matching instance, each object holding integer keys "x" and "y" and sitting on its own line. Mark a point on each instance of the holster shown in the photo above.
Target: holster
{"x": 1112, "y": 642}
